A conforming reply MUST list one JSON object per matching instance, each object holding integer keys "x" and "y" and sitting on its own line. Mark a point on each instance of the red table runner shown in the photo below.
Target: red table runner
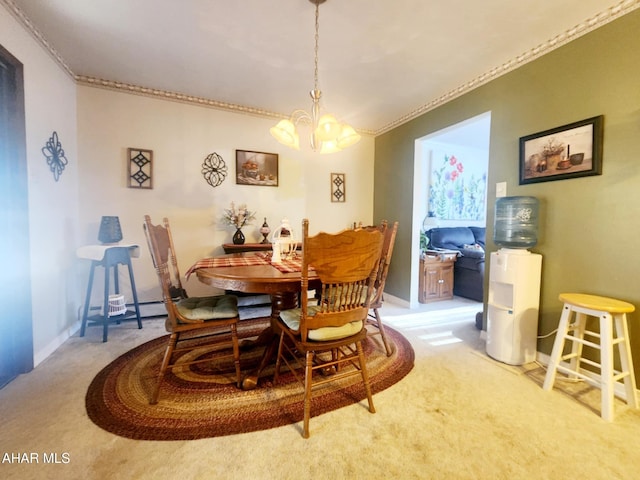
{"x": 285, "y": 266}
{"x": 289, "y": 266}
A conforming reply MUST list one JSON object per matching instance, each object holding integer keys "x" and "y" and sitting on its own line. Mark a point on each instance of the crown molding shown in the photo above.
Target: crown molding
{"x": 602, "y": 18}
{"x": 168, "y": 95}
{"x": 182, "y": 98}
{"x": 13, "y": 9}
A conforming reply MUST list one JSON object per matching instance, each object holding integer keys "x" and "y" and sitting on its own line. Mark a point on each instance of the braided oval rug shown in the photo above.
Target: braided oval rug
{"x": 202, "y": 400}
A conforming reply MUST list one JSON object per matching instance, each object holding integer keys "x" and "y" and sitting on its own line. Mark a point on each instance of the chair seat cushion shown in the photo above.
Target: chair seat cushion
{"x": 208, "y": 308}
{"x": 291, "y": 319}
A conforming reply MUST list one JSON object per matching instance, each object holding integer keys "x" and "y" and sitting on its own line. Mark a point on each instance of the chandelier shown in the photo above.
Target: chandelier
{"x": 327, "y": 134}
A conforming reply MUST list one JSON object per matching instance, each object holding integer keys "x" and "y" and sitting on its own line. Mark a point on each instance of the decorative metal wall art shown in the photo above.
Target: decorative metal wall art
{"x": 338, "y": 188}
{"x": 54, "y": 154}
{"x": 140, "y": 168}
{"x": 214, "y": 170}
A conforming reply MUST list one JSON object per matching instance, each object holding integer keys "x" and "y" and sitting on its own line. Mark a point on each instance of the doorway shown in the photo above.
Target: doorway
{"x": 16, "y": 336}
{"x": 470, "y": 137}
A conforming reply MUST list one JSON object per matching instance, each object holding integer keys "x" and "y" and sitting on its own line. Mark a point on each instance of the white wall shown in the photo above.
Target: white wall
{"x": 50, "y": 105}
{"x": 95, "y": 127}
{"x": 181, "y": 136}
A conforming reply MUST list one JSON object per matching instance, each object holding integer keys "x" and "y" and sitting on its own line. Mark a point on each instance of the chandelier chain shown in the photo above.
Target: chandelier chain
{"x": 327, "y": 134}
{"x": 315, "y": 75}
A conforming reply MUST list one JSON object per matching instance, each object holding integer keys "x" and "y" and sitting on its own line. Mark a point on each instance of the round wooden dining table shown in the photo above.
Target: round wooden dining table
{"x": 283, "y": 288}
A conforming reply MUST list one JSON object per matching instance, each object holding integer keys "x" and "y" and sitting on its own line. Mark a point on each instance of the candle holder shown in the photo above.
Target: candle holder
{"x": 284, "y": 243}
{"x": 265, "y": 231}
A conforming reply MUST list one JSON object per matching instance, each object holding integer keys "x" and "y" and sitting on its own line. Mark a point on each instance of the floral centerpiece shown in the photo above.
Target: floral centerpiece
{"x": 238, "y": 218}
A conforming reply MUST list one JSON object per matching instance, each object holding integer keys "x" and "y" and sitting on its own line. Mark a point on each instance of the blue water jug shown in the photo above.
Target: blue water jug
{"x": 516, "y": 222}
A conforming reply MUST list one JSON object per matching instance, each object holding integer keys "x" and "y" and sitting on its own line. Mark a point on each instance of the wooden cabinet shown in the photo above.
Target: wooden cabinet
{"x": 436, "y": 278}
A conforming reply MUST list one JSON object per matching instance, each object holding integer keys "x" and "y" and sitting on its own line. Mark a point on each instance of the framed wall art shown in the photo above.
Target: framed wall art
{"x": 458, "y": 183}
{"x": 338, "y": 188}
{"x": 569, "y": 151}
{"x": 140, "y": 168}
{"x": 256, "y": 168}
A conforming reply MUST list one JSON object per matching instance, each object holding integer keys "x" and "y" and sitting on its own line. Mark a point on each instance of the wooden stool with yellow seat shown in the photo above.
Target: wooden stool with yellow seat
{"x": 610, "y": 312}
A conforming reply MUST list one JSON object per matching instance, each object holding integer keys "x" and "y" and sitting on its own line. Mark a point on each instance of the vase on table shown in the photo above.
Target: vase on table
{"x": 265, "y": 231}
{"x": 238, "y": 237}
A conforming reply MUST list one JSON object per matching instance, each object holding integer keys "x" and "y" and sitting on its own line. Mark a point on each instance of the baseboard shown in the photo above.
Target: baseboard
{"x": 41, "y": 355}
{"x": 395, "y": 300}
{"x": 156, "y": 310}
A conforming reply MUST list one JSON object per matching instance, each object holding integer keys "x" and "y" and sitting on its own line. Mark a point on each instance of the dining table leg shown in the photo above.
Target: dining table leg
{"x": 269, "y": 337}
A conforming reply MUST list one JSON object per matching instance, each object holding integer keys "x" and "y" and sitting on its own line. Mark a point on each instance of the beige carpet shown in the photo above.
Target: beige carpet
{"x": 457, "y": 415}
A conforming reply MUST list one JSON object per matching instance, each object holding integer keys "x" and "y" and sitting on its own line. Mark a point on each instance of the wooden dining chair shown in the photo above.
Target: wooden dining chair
{"x": 374, "y": 318}
{"x": 214, "y": 318}
{"x": 325, "y": 339}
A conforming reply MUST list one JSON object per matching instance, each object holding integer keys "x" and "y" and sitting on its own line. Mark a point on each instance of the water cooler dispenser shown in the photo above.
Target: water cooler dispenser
{"x": 514, "y": 282}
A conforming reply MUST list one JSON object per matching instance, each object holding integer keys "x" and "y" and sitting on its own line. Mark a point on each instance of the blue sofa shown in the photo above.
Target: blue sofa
{"x": 468, "y": 273}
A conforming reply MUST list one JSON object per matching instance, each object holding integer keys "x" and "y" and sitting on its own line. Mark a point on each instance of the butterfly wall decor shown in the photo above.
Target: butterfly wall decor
{"x": 55, "y": 156}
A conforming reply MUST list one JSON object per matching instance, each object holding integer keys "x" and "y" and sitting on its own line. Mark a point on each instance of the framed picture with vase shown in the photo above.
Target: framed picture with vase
{"x": 569, "y": 151}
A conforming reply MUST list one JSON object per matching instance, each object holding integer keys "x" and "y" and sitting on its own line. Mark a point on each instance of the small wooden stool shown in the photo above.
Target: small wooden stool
{"x": 609, "y": 311}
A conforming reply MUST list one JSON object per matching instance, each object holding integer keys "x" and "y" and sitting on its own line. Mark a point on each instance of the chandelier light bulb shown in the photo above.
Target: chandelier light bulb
{"x": 285, "y": 132}
{"x": 348, "y": 136}
{"x": 329, "y": 146}
{"x": 328, "y": 128}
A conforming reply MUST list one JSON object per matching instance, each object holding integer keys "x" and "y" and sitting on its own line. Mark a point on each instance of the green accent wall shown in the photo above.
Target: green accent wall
{"x": 589, "y": 227}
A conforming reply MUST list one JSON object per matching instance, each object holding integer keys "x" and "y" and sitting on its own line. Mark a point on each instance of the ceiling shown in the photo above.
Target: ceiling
{"x": 381, "y": 62}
